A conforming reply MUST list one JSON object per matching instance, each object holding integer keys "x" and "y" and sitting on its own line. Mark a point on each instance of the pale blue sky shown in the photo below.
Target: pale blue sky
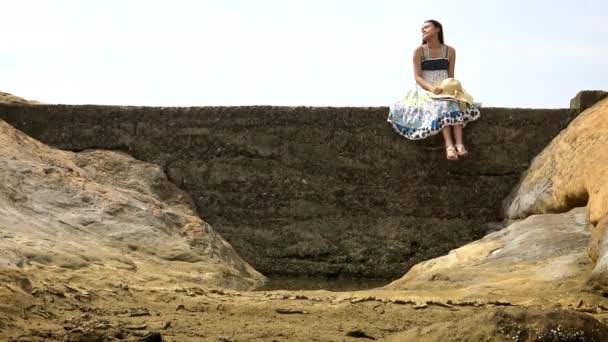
{"x": 295, "y": 52}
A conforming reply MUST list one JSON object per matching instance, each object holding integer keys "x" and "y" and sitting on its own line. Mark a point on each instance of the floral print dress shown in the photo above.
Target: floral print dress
{"x": 417, "y": 115}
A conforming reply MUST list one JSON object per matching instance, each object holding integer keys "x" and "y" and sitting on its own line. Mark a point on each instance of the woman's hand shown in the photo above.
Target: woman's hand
{"x": 437, "y": 90}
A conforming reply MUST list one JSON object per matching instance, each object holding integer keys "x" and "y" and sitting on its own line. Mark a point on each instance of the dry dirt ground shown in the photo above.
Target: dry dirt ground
{"x": 56, "y": 312}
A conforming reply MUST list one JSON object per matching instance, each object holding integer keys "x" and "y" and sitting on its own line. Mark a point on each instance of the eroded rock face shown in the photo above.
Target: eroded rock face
{"x": 541, "y": 257}
{"x": 572, "y": 171}
{"x": 103, "y": 217}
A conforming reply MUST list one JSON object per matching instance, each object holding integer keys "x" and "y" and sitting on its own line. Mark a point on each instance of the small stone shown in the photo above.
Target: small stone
{"x": 102, "y": 326}
{"x": 136, "y": 327}
{"x": 291, "y": 311}
{"x": 139, "y": 313}
{"x": 359, "y": 334}
{"x": 152, "y": 337}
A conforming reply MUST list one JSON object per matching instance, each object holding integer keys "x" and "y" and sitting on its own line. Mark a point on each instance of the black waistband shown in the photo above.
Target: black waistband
{"x": 435, "y": 64}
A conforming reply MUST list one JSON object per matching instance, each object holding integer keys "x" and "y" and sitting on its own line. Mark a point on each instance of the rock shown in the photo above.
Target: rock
{"x": 598, "y": 251}
{"x": 105, "y": 215}
{"x": 372, "y": 204}
{"x": 290, "y": 311}
{"x": 585, "y": 99}
{"x": 80, "y": 336}
{"x": 512, "y": 324}
{"x": 541, "y": 257}
{"x": 572, "y": 171}
{"x": 136, "y": 327}
{"x": 6, "y": 98}
{"x": 152, "y": 337}
{"x": 139, "y": 313}
{"x": 359, "y": 334}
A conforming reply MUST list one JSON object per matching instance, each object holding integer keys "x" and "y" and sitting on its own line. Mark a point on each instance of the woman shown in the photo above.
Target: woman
{"x": 419, "y": 115}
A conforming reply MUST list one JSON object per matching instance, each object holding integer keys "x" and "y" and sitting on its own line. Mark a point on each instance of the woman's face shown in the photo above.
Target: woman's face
{"x": 428, "y": 30}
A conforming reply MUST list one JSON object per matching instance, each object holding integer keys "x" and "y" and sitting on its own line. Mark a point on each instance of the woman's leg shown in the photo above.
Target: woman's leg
{"x": 449, "y": 145}
{"x": 458, "y": 134}
{"x": 459, "y": 144}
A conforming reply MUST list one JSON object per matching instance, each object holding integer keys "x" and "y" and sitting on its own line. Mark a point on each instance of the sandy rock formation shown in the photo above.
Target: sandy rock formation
{"x": 531, "y": 273}
{"x": 104, "y": 219}
{"x": 572, "y": 171}
{"x": 6, "y": 98}
{"x": 532, "y": 261}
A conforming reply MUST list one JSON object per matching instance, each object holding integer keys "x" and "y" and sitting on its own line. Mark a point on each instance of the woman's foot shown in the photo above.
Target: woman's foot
{"x": 460, "y": 150}
{"x": 450, "y": 153}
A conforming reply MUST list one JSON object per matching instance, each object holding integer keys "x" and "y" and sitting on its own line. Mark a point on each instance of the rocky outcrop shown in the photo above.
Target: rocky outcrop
{"x": 533, "y": 274}
{"x": 585, "y": 99}
{"x": 316, "y": 190}
{"x": 535, "y": 260}
{"x": 105, "y": 218}
{"x": 6, "y": 98}
{"x": 572, "y": 171}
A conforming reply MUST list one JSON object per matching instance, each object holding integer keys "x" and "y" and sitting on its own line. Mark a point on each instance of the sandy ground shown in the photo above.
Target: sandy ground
{"x": 55, "y": 312}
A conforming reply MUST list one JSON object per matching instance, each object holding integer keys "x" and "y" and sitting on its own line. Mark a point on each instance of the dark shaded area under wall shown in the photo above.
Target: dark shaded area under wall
{"x": 316, "y": 190}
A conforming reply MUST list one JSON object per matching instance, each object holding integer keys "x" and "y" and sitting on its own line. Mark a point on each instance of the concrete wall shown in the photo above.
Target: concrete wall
{"x": 316, "y": 190}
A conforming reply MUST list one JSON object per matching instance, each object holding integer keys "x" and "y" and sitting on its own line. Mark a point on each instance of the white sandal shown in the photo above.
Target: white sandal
{"x": 450, "y": 153}
{"x": 460, "y": 150}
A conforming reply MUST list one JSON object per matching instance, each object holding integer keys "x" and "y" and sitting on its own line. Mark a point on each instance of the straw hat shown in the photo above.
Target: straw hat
{"x": 452, "y": 89}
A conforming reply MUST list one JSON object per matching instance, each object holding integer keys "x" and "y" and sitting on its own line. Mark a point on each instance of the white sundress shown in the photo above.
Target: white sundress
{"x": 417, "y": 115}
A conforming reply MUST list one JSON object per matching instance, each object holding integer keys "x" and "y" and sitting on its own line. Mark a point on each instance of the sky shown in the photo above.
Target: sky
{"x": 517, "y": 53}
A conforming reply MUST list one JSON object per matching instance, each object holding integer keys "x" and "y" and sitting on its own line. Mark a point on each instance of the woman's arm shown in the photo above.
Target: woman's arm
{"x": 418, "y": 70}
{"x": 452, "y": 61}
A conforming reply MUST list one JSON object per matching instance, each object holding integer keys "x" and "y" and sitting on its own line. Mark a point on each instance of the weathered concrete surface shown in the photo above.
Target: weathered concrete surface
{"x": 302, "y": 190}
{"x": 105, "y": 218}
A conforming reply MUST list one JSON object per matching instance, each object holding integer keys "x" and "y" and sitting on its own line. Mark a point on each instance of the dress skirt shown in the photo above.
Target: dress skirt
{"x": 418, "y": 116}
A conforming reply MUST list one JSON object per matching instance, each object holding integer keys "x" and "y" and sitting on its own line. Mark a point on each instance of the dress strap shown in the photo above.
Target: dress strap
{"x": 428, "y": 53}
{"x": 445, "y": 51}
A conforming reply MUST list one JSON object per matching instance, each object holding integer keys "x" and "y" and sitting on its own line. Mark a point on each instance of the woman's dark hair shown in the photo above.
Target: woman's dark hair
{"x": 437, "y": 25}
